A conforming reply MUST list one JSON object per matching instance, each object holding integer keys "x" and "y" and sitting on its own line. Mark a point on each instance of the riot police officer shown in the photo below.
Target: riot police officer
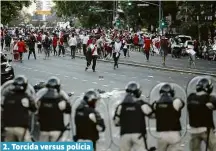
{"x": 130, "y": 116}
{"x": 200, "y": 109}
{"x": 52, "y": 102}
{"x": 18, "y": 98}
{"x": 88, "y": 121}
{"x": 168, "y": 107}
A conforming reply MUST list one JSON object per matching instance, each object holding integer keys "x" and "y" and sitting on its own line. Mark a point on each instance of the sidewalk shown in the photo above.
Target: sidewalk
{"x": 172, "y": 64}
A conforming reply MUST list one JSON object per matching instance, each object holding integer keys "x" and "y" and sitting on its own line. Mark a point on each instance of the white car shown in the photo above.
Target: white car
{"x": 182, "y": 39}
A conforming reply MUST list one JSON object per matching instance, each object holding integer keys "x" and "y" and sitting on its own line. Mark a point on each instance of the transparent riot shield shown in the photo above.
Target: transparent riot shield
{"x": 114, "y": 99}
{"x": 155, "y": 96}
{"x": 192, "y": 85}
{"x": 104, "y": 141}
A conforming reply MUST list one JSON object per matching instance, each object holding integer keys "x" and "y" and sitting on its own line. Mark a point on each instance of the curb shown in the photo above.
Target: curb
{"x": 155, "y": 67}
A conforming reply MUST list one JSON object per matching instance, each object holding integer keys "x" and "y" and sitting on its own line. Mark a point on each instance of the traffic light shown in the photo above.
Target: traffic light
{"x": 118, "y": 22}
{"x": 163, "y": 23}
{"x": 129, "y": 3}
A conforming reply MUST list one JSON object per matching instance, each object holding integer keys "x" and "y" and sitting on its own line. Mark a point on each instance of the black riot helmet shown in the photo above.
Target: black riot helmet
{"x": 167, "y": 89}
{"x": 204, "y": 85}
{"x": 91, "y": 97}
{"x": 20, "y": 83}
{"x": 53, "y": 83}
{"x": 134, "y": 88}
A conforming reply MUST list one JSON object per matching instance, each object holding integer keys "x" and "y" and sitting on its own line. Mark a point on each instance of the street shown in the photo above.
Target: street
{"x": 74, "y": 78}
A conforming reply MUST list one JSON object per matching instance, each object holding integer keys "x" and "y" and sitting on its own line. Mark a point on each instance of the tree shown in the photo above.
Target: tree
{"x": 10, "y": 9}
{"x": 195, "y": 18}
{"x": 88, "y": 17}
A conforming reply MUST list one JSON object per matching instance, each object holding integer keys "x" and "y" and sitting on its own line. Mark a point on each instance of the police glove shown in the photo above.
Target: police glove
{"x": 25, "y": 102}
{"x": 62, "y": 105}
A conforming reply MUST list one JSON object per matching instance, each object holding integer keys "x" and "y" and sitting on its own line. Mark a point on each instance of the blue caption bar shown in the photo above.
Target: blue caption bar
{"x": 46, "y": 146}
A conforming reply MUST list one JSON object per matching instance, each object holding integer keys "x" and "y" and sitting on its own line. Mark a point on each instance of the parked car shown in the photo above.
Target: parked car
{"x": 7, "y": 71}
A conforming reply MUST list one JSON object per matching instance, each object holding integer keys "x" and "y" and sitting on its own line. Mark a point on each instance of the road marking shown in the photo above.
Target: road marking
{"x": 84, "y": 80}
{"x": 112, "y": 82}
{"x": 74, "y": 78}
{"x": 181, "y": 73}
{"x": 105, "y": 85}
{"x": 57, "y": 74}
{"x": 150, "y": 76}
{"x": 66, "y": 76}
{"x": 123, "y": 75}
{"x": 94, "y": 82}
{"x": 35, "y": 70}
{"x": 147, "y": 79}
{"x": 134, "y": 77}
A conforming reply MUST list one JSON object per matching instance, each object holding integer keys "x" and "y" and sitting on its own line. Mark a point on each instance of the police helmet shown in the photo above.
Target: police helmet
{"x": 54, "y": 83}
{"x": 204, "y": 85}
{"x": 91, "y": 97}
{"x": 20, "y": 83}
{"x": 167, "y": 89}
{"x": 134, "y": 88}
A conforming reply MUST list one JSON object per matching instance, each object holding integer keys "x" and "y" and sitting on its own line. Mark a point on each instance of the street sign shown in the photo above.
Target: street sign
{"x": 142, "y": 4}
{"x": 214, "y": 24}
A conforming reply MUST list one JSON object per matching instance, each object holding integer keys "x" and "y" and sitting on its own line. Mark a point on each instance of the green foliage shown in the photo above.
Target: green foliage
{"x": 10, "y": 10}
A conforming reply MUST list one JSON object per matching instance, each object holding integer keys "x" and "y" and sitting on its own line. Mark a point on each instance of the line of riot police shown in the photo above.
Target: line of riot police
{"x": 168, "y": 106}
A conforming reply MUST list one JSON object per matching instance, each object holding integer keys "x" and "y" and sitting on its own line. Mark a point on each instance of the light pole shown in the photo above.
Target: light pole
{"x": 160, "y": 12}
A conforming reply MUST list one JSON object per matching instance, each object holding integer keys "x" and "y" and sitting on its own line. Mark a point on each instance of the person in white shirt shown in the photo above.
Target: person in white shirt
{"x": 72, "y": 43}
{"x": 91, "y": 55}
{"x": 116, "y": 52}
{"x": 84, "y": 42}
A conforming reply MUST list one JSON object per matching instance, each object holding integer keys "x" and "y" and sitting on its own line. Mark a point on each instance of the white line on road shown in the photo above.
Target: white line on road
{"x": 35, "y": 70}
{"x": 66, "y": 76}
{"x": 147, "y": 79}
{"x": 134, "y": 77}
{"x": 123, "y": 75}
{"x": 105, "y": 85}
{"x": 57, "y": 74}
{"x": 150, "y": 76}
{"x": 74, "y": 78}
{"x": 84, "y": 80}
{"x": 94, "y": 82}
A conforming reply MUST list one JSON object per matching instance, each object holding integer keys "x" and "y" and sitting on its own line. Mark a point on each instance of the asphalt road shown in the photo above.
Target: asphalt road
{"x": 74, "y": 78}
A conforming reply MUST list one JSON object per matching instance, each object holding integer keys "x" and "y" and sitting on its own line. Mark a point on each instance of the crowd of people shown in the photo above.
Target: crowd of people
{"x": 50, "y": 103}
{"x": 79, "y": 39}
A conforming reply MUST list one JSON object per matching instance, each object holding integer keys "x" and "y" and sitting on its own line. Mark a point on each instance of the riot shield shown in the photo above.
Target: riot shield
{"x": 104, "y": 141}
{"x": 114, "y": 99}
{"x": 191, "y": 86}
{"x": 155, "y": 96}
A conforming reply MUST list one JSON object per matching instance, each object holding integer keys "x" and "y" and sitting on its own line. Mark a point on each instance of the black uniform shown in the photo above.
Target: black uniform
{"x": 51, "y": 118}
{"x": 131, "y": 109}
{"x": 14, "y": 114}
{"x": 85, "y": 127}
{"x": 165, "y": 110}
{"x": 199, "y": 114}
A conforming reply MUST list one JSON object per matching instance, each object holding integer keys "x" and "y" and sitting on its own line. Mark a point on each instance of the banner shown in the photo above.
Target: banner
{"x": 46, "y": 146}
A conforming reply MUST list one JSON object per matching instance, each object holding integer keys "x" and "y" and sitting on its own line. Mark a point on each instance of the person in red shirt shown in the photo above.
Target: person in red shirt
{"x": 54, "y": 43}
{"x": 39, "y": 43}
{"x": 147, "y": 47}
{"x": 21, "y": 48}
{"x": 136, "y": 41}
{"x": 61, "y": 46}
